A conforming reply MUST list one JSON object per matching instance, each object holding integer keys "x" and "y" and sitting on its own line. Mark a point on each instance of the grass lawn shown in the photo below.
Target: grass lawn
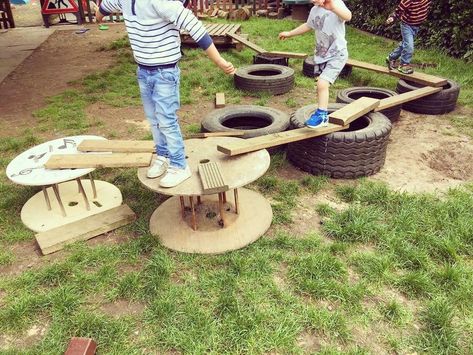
{"x": 386, "y": 272}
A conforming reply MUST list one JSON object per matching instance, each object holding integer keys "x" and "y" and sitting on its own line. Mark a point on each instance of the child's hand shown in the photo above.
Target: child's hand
{"x": 227, "y": 67}
{"x": 284, "y": 35}
{"x": 389, "y": 20}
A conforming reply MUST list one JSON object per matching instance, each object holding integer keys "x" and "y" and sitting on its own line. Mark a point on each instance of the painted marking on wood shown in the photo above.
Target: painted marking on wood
{"x": 406, "y": 97}
{"x": 116, "y": 160}
{"x": 275, "y": 139}
{"x": 219, "y": 100}
{"x": 353, "y": 110}
{"x": 212, "y": 178}
{"x": 417, "y": 77}
{"x": 116, "y": 146}
{"x": 55, "y": 239}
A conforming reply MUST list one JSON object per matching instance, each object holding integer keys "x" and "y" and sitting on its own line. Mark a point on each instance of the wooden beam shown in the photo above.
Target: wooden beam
{"x": 353, "y": 110}
{"x": 417, "y": 77}
{"x": 55, "y": 239}
{"x": 116, "y": 160}
{"x": 286, "y": 54}
{"x": 212, "y": 178}
{"x": 407, "y": 96}
{"x": 247, "y": 43}
{"x": 219, "y": 100}
{"x": 217, "y": 134}
{"x": 275, "y": 139}
{"x": 116, "y": 146}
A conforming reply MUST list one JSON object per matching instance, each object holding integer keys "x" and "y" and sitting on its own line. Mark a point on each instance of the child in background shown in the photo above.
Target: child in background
{"x": 153, "y": 29}
{"x": 327, "y": 18}
{"x": 411, "y": 13}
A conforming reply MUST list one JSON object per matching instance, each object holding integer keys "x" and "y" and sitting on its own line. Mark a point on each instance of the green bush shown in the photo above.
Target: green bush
{"x": 448, "y": 27}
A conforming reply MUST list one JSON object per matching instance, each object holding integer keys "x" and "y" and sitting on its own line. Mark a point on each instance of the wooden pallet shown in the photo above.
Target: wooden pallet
{"x": 219, "y": 34}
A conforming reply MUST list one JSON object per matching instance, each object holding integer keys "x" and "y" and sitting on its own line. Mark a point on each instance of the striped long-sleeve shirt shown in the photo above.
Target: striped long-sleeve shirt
{"x": 153, "y": 29}
{"x": 413, "y": 12}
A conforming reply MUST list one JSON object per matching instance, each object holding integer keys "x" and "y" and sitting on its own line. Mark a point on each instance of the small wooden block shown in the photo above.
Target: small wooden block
{"x": 81, "y": 346}
{"x": 219, "y": 100}
{"x": 115, "y": 160}
{"x": 353, "y": 110}
{"x": 417, "y": 77}
{"x": 405, "y": 97}
{"x": 211, "y": 177}
{"x": 274, "y": 139}
{"x": 217, "y": 134}
{"x": 55, "y": 239}
{"x": 116, "y": 146}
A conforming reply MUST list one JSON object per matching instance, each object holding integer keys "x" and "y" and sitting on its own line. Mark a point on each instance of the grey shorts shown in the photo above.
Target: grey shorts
{"x": 330, "y": 70}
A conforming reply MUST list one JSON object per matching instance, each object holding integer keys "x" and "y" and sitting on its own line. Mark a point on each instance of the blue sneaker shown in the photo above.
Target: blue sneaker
{"x": 318, "y": 119}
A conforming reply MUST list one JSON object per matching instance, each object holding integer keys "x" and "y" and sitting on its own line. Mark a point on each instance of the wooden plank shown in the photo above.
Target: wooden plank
{"x": 216, "y": 134}
{"x": 116, "y": 146}
{"x": 219, "y": 100}
{"x": 217, "y": 28}
{"x": 353, "y": 110}
{"x": 80, "y": 161}
{"x": 275, "y": 139}
{"x": 214, "y": 13}
{"x": 55, "y": 239}
{"x": 234, "y": 28}
{"x": 417, "y": 77}
{"x": 407, "y": 96}
{"x": 287, "y": 54}
{"x": 222, "y": 31}
{"x": 246, "y": 42}
{"x": 212, "y": 178}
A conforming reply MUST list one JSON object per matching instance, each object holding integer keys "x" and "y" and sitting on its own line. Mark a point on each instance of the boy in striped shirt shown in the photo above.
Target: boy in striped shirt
{"x": 412, "y": 14}
{"x": 153, "y": 30}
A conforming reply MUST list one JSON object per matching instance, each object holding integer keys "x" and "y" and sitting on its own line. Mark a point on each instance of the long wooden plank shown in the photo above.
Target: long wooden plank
{"x": 55, "y": 239}
{"x": 116, "y": 146}
{"x": 417, "y": 77}
{"x": 116, "y": 160}
{"x": 353, "y": 110}
{"x": 217, "y": 134}
{"x": 275, "y": 139}
{"x": 246, "y": 42}
{"x": 407, "y": 96}
{"x": 212, "y": 178}
{"x": 287, "y": 54}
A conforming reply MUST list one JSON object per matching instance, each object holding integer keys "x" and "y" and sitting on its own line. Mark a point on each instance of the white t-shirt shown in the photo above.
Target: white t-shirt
{"x": 329, "y": 33}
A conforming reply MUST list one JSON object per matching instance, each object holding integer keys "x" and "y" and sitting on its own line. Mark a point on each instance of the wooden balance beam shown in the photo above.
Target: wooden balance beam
{"x": 421, "y": 78}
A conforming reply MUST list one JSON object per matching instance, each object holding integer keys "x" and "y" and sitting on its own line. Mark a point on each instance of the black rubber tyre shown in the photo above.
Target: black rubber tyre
{"x": 272, "y": 78}
{"x": 254, "y": 120}
{"x": 436, "y": 104}
{"x": 352, "y": 153}
{"x": 261, "y": 58}
{"x": 308, "y": 68}
{"x": 351, "y": 94}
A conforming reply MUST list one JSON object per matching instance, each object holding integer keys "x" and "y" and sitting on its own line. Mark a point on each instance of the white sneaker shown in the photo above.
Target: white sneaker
{"x": 158, "y": 168}
{"x": 174, "y": 176}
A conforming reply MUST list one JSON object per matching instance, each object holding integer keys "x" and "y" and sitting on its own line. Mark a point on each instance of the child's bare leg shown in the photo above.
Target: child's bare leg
{"x": 322, "y": 93}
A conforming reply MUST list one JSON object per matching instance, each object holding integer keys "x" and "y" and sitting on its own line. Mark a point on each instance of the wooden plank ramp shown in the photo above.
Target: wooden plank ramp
{"x": 286, "y": 54}
{"x": 247, "y": 43}
{"x": 55, "y": 239}
{"x": 353, "y": 110}
{"x": 274, "y": 139}
{"x": 80, "y": 161}
{"x": 406, "y": 97}
{"x": 421, "y": 78}
{"x": 212, "y": 178}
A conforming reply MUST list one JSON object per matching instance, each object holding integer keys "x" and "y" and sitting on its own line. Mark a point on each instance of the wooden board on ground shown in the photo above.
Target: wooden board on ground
{"x": 217, "y": 134}
{"x": 275, "y": 139}
{"x": 417, "y": 77}
{"x": 55, "y": 239}
{"x": 80, "y": 161}
{"x": 219, "y": 100}
{"x": 286, "y": 54}
{"x": 212, "y": 178}
{"x": 116, "y": 146}
{"x": 353, "y": 110}
{"x": 407, "y": 96}
{"x": 247, "y": 43}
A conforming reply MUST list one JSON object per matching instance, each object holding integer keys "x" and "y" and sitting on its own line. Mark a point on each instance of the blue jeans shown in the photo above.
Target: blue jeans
{"x": 159, "y": 90}
{"x": 406, "y": 46}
